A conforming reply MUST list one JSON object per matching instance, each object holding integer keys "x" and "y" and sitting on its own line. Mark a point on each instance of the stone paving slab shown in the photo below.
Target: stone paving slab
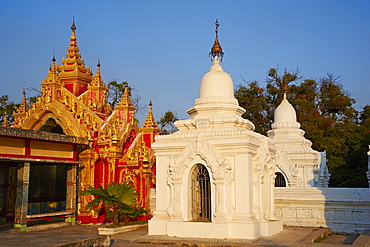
{"x": 70, "y": 235}
{"x": 291, "y": 236}
{"x": 62, "y": 236}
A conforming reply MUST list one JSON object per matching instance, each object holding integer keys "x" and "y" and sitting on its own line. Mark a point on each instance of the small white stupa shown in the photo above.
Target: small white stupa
{"x": 215, "y": 176}
{"x": 304, "y": 169}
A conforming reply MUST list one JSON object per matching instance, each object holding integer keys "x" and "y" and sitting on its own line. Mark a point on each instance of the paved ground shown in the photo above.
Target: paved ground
{"x": 291, "y": 236}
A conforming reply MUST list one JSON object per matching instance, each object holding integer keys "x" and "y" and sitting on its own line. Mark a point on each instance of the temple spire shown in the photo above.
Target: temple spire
{"x": 125, "y": 100}
{"x": 73, "y": 27}
{"x": 149, "y": 121}
{"x": 5, "y": 120}
{"x": 73, "y": 42}
{"x": 23, "y": 108}
{"x": 216, "y": 53}
{"x": 285, "y": 89}
{"x": 97, "y": 80}
{"x": 72, "y": 71}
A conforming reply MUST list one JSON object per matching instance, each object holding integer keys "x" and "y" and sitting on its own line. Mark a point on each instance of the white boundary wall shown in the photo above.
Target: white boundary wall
{"x": 341, "y": 209}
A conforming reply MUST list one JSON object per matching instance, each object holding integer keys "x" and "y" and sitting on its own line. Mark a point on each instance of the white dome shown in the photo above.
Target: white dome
{"x": 216, "y": 83}
{"x": 285, "y": 116}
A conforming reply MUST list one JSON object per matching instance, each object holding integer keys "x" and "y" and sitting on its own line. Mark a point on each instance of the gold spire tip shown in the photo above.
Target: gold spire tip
{"x": 216, "y": 50}
{"x": 73, "y": 27}
{"x": 53, "y": 59}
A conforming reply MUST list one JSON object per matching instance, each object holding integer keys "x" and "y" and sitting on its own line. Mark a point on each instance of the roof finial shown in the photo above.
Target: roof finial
{"x": 73, "y": 27}
{"x": 5, "y": 118}
{"x": 98, "y": 65}
{"x": 149, "y": 121}
{"x": 216, "y": 51}
{"x": 53, "y": 55}
{"x": 217, "y": 25}
{"x": 285, "y": 89}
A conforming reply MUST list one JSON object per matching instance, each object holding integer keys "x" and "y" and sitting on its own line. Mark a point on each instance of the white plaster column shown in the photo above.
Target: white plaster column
{"x": 243, "y": 188}
{"x": 161, "y": 188}
{"x": 177, "y": 212}
{"x": 219, "y": 200}
{"x": 272, "y": 197}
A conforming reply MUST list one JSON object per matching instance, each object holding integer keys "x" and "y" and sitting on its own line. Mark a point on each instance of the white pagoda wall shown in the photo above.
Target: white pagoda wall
{"x": 342, "y": 209}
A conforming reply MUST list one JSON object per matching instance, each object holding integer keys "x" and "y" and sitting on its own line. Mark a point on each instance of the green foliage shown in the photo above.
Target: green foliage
{"x": 119, "y": 201}
{"x": 326, "y": 113}
{"x": 321, "y": 238}
{"x": 7, "y": 107}
{"x": 116, "y": 90}
{"x": 166, "y": 123}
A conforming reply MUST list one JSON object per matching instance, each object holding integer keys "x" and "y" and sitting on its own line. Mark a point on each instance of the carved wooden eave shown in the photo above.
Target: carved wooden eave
{"x": 70, "y": 113}
{"x": 42, "y": 135}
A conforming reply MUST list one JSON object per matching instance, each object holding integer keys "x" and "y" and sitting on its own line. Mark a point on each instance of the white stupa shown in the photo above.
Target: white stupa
{"x": 215, "y": 176}
{"x": 303, "y": 170}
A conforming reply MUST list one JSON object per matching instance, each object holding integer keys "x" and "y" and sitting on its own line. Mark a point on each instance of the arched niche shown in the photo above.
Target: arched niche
{"x": 52, "y": 126}
{"x": 200, "y": 194}
{"x": 280, "y": 180}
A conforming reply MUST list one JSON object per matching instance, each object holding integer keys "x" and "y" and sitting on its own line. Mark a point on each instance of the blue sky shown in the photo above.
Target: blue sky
{"x": 163, "y": 46}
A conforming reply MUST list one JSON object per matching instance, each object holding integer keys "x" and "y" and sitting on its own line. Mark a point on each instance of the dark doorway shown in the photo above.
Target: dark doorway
{"x": 201, "y": 194}
{"x": 52, "y": 126}
{"x": 280, "y": 180}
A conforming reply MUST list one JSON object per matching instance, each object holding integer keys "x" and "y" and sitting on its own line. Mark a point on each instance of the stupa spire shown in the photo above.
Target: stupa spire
{"x": 149, "y": 121}
{"x": 72, "y": 72}
{"x": 216, "y": 53}
{"x": 97, "y": 80}
{"x": 5, "y": 119}
{"x": 73, "y": 48}
{"x": 23, "y": 108}
{"x": 285, "y": 89}
{"x": 125, "y": 100}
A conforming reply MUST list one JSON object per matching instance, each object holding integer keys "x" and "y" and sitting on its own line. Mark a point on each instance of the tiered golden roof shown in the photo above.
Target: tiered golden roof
{"x": 73, "y": 70}
{"x": 149, "y": 121}
{"x": 23, "y": 108}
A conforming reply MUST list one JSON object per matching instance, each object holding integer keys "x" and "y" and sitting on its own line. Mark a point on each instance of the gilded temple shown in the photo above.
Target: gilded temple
{"x": 74, "y": 102}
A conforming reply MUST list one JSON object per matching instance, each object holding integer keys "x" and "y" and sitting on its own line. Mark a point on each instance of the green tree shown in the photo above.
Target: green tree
{"x": 167, "y": 123}
{"x": 7, "y": 108}
{"x": 119, "y": 201}
{"x": 253, "y": 99}
{"x": 260, "y": 103}
{"x": 115, "y": 91}
{"x": 326, "y": 113}
{"x": 32, "y": 99}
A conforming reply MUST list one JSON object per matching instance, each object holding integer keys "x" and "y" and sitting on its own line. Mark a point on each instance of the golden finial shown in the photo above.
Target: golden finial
{"x": 73, "y": 27}
{"x": 285, "y": 89}
{"x": 53, "y": 55}
{"x": 98, "y": 65}
{"x": 216, "y": 50}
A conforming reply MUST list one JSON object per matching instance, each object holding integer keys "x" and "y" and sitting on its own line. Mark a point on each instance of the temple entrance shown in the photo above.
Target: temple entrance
{"x": 47, "y": 188}
{"x": 280, "y": 180}
{"x": 52, "y": 126}
{"x": 201, "y": 194}
{"x": 8, "y": 190}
